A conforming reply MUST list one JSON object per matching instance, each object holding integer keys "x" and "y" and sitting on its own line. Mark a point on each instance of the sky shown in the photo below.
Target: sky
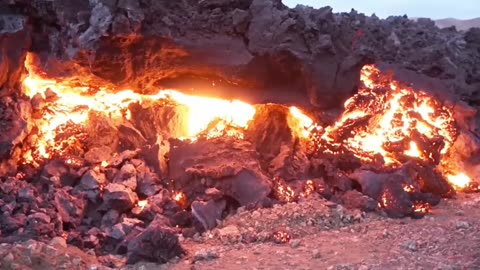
{"x": 435, "y": 9}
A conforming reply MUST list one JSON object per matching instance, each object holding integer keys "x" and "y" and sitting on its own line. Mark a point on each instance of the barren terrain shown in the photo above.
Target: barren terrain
{"x": 323, "y": 236}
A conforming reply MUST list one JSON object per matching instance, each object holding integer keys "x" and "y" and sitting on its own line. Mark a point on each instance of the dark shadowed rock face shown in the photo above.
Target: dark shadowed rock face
{"x": 14, "y": 42}
{"x": 157, "y": 243}
{"x": 257, "y": 50}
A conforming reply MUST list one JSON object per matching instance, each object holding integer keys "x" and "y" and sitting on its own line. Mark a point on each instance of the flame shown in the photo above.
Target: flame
{"x": 459, "y": 181}
{"x": 421, "y": 207}
{"x": 307, "y": 125}
{"x": 181, "y": 199}
{"x": 383, "y": 115}
{"x": 383, "y": 120}
{"x": 142, "y": 204}
{"x": 284, "y": 192}
{"x": 408, "y": 188}
{"x": 72, "y": 105}
{"x": 413, "y": 151}
{"x": 308, "y": 189}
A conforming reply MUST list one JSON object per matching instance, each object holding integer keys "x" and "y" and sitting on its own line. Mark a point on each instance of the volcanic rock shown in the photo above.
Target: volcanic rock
{"x": 91, "y": 183}
{"x": 110, "y": 218}
{"x": 98, "y": 154}
{"x": 71, "y": 209}
{"x": 119, "y": 197}
{"x": 40, "y": 224}
{"x": 353, "y": 199}
{"x": 207, "y": 213}
{"x": 157, "y": 243}
{"x": 15, "y": 40}
{"x": 59, "y": 173}
{"x": 10, "y": 224}
{"x": 232, "y": 165}
{"x": 148, "y": 185}
{"x": 127, "y": 176}
{"x": 247, "y": 187}
{"x": 14, "y": 124}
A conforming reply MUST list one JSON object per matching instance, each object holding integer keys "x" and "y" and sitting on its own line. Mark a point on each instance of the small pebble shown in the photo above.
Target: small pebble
{"x": 295, "y": 243}
{"x": 462, "y": 225}
{"x": 410, "y": 245}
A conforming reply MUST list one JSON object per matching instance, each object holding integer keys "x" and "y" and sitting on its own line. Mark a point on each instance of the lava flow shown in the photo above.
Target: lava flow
{"x": 385, "y": 119}
{"x": 384, "y": 123}
{"x": 72, "y": 105}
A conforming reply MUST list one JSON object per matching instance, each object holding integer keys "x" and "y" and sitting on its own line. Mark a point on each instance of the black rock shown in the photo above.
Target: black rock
{"x": 90, "y": 184}
{"x": 110, "y": 218}
{"x": 148, "y": 185}
{"x": 9, "y": 224}
{"x": 71, "y": 209}
{"x": 26, "y": 194}
{"x": 119, "y": 197}
{"x": 157, "y": 243}
{"x": 207, "y": 213}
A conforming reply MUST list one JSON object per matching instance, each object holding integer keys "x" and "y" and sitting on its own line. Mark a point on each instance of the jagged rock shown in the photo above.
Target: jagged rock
{"x": 157, "y": 243}
{"x": 70, "y": 208}
{"x": 110, "y": 218}
{"x": 15, "y": 124}
{"x": 90, "y": 184}
{"x": 148, "y": 185}
{"x": 127, "y": 176}
{"x": 15, "y": 40}
{"x": 207, "y": 213}
{"x": 232, "y": 165}
{"x": 119, "y": 197}
{"x": 98, "y": 154}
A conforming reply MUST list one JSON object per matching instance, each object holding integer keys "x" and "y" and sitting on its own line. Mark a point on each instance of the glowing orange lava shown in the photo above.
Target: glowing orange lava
{"x": 422, "y": 208}
{"x": 459, "y": 181}
{"x": 390, "y": 115}
{"x": 384, "y": 123}
{"x": 142, "y": 204}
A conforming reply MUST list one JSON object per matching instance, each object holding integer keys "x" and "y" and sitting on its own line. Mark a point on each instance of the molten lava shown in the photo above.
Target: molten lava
{"x": 385, "y": 119}
{"x": 72, "y": 105}
{"x": 384, "y": 123}
{"x": 459, "y": 181}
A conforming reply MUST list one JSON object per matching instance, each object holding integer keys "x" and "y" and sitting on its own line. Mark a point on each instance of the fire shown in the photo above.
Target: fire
{"x": 383, "y": 116}
{"x": 72, "y": 105}
{"x": 413, "y": 151}
{"x": 142, "y": 204}
{"x": 284, "y": 193}
{"x": 308, "y": 189}
{"x": 408, "y": 188}
{"x": 307, "y": 125}
{"x": 421, "y": 208}
{"x": 281, "y": 237}
{"x": 384, "y": 122}
{"x": 459, "y": 181}
{"x": 181, "y": 199}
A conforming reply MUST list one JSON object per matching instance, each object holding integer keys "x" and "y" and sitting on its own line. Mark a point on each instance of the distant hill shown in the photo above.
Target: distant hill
{"x": 459, "y": 24}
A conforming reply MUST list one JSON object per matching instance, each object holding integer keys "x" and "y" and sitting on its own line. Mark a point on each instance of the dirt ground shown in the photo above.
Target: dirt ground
{"x": 447, "y": 238}
{"x": 322, "y": 235}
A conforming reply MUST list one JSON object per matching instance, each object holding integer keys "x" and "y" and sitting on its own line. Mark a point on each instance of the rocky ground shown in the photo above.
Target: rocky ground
{"x": 322, "y": 235}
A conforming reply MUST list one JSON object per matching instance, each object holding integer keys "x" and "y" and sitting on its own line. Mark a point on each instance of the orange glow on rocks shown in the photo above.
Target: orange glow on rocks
{"x": 459, "y": 181}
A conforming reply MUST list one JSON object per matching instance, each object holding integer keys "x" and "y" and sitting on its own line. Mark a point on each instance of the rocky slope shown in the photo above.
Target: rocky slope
{"x": 255, "y": 49}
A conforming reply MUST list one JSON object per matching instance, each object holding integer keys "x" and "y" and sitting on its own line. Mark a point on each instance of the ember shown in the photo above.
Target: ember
{"x": 281, "y": 237}
{"x": 142, "y": 204}
{"x": 422, "y": 208}
{"x": 384, "y": 117}
{"x": 459, "y": 181}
